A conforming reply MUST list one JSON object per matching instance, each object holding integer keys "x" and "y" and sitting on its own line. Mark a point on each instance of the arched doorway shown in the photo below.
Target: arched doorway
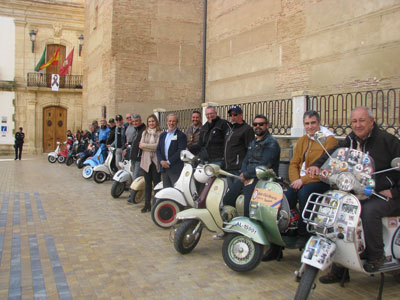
{"x": 54, "y": 127}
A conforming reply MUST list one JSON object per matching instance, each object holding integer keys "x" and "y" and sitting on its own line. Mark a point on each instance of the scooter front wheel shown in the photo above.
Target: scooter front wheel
{"x": 79, "y": 163}
{"x": 51, "y": 159}
{"x": 69, "y": 161}
{"x": 87, "y": 172}
{"x": 61, "y": 159}
{"x": 306, "y": 285}
{"x": 99, "y": 176}
{"x": 240, "y": 253}
{"x": 163, "y": 213}
{"x": 117, "y": 189}
{"x": 185, "y": 240}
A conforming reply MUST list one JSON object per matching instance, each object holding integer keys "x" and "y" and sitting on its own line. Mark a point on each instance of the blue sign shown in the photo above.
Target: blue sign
{"x": 3, "y": 128}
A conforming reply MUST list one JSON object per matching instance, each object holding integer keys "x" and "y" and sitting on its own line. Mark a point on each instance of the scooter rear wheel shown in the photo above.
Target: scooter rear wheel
{"x": 136, "y": 196}
{"x": 61, "y": 159}
{"x": 99, "y": 176}
{"x": 117, "y": 189}
{"x": 184, "y": 240}
{"x": 306, "y": 285}
{"x": 163, "y": 213}
{"x": 240, "y": 253}
{"x": 51, "y": 159}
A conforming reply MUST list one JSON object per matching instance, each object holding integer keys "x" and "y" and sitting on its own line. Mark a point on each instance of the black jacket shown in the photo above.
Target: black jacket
{"x": 19, "y": 138}
{"x": 212, "y": 139}
{"x": 237, "y": 140}
{"x": 382, "y": 147}
{"x": 111, "y": 136}
{"x": 136, "y": 152}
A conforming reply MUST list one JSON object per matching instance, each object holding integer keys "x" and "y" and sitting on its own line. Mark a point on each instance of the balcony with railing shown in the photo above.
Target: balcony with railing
{"x": 35, "y": 79}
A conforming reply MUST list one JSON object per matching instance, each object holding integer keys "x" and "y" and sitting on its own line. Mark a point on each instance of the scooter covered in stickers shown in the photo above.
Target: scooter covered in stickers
{"x": 334, "y": 219}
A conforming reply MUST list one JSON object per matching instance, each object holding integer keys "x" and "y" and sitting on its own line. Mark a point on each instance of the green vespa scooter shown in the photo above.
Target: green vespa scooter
{"x": 271, "y": 222}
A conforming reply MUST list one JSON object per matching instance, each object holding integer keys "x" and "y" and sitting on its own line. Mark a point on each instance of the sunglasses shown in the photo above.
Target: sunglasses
{"x": 260, "y": 123}
{"x": 233, "y": 115}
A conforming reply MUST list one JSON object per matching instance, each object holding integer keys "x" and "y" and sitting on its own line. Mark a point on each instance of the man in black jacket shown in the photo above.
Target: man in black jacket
{"x": 237, "y": 141}
{"x": 212, "y": 138}
{"x": 382, "y": 147}
{"x": 19, "y": 142}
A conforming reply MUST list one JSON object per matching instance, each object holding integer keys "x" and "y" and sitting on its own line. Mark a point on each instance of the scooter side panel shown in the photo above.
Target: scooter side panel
{"x": 89, "y": 163}
{"x": 319, "y": 252}
{"x": 101, "y": 168}
{"x": 122, "y": 176}
{"x": 214, "y": 199}
{"x": 172, "y": 194}
{"x": 138, "y": 184}
{"x": 249, "y": 228}
{"x": 52, "y": 154}
{"x": 201, "y": 214}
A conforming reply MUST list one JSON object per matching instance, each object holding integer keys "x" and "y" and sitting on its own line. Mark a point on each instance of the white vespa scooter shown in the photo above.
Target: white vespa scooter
{"x": 122, "y": 179}
{"x": 171, "y": 200}
{"x": 334, "y": 218}
{"x": 104, "y": 171}
{"x": 52, "y": 156}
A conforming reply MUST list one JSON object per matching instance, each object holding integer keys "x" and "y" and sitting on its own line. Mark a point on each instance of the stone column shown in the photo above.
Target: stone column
{"x": 299, "y": 108}
{"x": 30, "y": 127}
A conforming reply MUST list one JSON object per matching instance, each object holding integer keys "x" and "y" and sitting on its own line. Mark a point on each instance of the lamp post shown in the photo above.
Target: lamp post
{"x": 32, "y": 36}
{"x": 80, "y": 38}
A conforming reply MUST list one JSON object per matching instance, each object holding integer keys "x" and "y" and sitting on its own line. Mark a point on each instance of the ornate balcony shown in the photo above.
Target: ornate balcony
{"x": 44, "y": 80}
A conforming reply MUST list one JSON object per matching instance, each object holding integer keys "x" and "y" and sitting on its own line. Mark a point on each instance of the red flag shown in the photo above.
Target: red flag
{"x": 67, "y": 63}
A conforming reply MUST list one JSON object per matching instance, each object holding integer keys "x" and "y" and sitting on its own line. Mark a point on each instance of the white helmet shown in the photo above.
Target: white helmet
{"x": 200, "y": 175}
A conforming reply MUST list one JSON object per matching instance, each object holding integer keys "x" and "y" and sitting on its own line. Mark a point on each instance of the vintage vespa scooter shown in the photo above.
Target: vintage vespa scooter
{"x": 122, "y": 179}
{"x": 270, "y": 221}
{"x": 208, "y": 212}
{"x": 334, "y": 218}
{"x": 171, "y": 200}
{"x": 106, "y": 170}
{"x": 52, "y": 156}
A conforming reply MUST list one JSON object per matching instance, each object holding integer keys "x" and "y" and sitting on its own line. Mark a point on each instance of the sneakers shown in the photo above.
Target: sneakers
{"x": 373, "y": 265}
{"x": 335, "y": 275}
{"x": 274, "y": 252}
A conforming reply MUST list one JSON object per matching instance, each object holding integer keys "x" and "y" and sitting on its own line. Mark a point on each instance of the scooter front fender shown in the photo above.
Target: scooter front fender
{"x": 138, "y": 184}
{"x": 200, "y": 214}
{"x": 318, "y": 252}
{"x": 101, "y": 168}
{"x": 122, "y": 176}
{"x": 54, "y": 154}
{"x": 248, "y": 227}
{"x": 172, "y": 194}
{"x": 159, "y": 186}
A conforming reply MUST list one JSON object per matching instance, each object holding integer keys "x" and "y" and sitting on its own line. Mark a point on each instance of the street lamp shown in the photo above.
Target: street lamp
{"x": 32, "y": 36}
{"x": 80, "y": 38}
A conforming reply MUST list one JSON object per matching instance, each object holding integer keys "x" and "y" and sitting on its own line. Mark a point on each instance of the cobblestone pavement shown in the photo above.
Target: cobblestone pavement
{"x": 64, "y": 237}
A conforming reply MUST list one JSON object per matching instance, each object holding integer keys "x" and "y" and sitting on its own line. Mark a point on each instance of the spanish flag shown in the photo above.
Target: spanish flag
{"x": 52, "y": 61}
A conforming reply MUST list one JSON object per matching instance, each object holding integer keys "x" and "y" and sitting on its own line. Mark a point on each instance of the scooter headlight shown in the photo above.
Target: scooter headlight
{"x": 209, "y": 170}
{"x": 345, "y": 181}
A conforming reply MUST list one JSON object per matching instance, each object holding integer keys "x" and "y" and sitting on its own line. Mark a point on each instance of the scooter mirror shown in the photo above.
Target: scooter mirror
{"x": 395, "y": 163}
{"x": 186, "y": 155}
{"x": 320, "y": 137}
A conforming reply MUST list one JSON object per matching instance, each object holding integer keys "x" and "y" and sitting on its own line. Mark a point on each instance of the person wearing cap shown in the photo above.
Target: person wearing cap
{"x": 19, "y": 142}
{"x": 169, "y": 147}
{"x": 237, "y": 140}
{"x": 130, "y": 133}
{"x": 111, "y": 135}
{"x": 193, "y": 131}
{"x": 212, "y": 136}
{"x": 120, "y": 140}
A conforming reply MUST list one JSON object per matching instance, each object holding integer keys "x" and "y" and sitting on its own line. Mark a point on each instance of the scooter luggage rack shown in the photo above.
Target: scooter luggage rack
{"x": 319, "y": 214}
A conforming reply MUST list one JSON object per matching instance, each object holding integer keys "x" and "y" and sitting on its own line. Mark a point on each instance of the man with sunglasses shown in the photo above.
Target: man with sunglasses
{"x": 264, "y": 150}
{"x": 237, "y": 140}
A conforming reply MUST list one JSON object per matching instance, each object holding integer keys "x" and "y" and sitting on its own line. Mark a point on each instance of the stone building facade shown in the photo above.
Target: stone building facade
{"x": 56, "y": 23}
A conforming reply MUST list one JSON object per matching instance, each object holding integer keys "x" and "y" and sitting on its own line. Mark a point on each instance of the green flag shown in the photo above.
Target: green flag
{"x": 41, "y": 61}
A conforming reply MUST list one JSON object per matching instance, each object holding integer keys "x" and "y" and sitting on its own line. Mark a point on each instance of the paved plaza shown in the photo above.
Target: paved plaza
{"x": 64, "y": 237}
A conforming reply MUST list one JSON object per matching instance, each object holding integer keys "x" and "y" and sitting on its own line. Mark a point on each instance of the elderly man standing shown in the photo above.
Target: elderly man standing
{"x": 169, "y": 147}
{"x": 382, "y": 147}
{"x": 212, "y": 138}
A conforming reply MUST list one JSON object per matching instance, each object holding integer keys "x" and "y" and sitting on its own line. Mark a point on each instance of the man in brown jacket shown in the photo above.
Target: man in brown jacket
{"x": 307, "y": 151}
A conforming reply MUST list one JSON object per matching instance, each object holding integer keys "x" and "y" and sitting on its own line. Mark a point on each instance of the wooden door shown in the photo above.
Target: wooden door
{"x": 54, "y": 69}
{"x": 54, "y": 127}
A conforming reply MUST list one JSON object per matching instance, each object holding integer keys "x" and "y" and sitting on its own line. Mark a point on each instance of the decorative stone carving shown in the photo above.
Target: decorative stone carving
{"x": 57, "y": 29}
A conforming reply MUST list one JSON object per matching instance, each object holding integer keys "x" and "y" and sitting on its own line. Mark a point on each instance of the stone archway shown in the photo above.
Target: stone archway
{"x": 54, "y": 127}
